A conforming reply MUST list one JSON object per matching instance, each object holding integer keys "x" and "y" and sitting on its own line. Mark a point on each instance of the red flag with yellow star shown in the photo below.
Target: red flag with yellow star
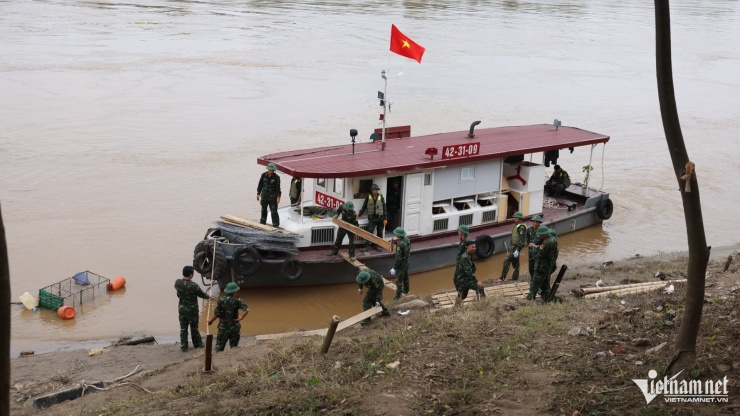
{"x": 404, "y": 46}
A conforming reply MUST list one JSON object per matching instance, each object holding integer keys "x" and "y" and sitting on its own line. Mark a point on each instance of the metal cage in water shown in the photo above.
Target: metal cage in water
{"x": 82, "y": 288}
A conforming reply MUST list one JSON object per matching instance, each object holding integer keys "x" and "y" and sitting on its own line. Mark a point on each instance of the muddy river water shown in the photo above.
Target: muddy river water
{"x": 126, "y": 128}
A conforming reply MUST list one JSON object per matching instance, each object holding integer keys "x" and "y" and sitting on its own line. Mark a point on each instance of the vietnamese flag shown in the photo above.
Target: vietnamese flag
{"x": 404, "y": 46}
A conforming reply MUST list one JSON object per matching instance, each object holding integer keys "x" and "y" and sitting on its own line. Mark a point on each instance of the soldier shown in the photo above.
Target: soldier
{"x": 462, "y": 233}
{"x": 295, "y": 190}
{"x": 227, "y": 310}
{"x": 374, "y": 283}
{"x": 518, "y": 239}
{"x": 401, "y": 268}
{"x": 557, "y": 182}
{"x": 376, "y": 210}
{"x": 533, "y": 241}
{"x": 543, "y": 267}
{"x": 268, "y": 193}
{"x": 465, "y": 277}
{"x": 189, "y": 292}
{"x": 394, "y": 203}
{"x": 347, "y": 211}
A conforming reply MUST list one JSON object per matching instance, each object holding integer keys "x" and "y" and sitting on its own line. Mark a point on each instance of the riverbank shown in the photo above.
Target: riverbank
{"x": 501, "y": 355}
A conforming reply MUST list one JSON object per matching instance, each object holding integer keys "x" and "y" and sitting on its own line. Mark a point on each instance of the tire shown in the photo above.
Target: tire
{"x": 246, "y": 261}
{"x": 292, "y": 269}
{"x": 484, "y": 246}
{"x": 604, "y": 208}
{"x": 203, "y": 257}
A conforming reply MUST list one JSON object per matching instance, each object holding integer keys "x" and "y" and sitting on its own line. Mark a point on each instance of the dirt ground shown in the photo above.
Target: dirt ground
{"x": 497, "y": 356}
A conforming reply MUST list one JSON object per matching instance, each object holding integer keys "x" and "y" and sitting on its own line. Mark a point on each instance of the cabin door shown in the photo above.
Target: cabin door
{"x": 412, "y": 203}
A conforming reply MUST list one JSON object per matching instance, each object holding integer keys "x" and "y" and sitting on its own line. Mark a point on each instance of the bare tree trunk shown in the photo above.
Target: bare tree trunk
{"x": 4, "y": 323}
{"x": 685, "y": 357}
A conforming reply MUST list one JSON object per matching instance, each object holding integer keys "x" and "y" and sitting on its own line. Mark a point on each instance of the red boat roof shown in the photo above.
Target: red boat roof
{"x": 408, "y": 154}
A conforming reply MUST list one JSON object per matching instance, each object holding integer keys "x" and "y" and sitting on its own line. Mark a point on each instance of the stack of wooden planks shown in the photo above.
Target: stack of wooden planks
{"x": 621, "y": 290}
{"x": 515, "y": 289}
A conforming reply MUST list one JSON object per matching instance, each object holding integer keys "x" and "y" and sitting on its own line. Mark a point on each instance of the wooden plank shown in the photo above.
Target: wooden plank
{"x": 232, "y": 219}
{"x": 361, "y": 266}
{"x": 364, "y": 234}
{"x": 322, "y": 332}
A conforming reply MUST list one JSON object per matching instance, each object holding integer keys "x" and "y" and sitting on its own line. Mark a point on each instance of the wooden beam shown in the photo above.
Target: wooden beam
{"x": 590, "y": 290}
{"x": 364, "y": 234}
{"x": 232, "y": 219}
{"x": 322, "y": 332}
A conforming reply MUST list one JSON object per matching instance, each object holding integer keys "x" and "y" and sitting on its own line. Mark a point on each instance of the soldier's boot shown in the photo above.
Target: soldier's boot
{"x": 377, "y": 248}
{"x": 365, "y": 322}
{"x": 365, "y": 249}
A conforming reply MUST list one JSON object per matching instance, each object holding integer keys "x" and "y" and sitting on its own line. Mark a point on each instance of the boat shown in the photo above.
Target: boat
{"x": 477, "y": 177}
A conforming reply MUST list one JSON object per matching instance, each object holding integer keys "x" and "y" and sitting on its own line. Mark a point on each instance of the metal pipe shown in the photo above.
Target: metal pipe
{"x": 4, "y": 323}
{"x": 471, "y": 134}
{"x": 588, "y": 173}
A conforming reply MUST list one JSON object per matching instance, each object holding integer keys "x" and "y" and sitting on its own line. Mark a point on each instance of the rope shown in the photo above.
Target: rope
{"x": 114, "y": 383}
{"x": 551, "y": 203}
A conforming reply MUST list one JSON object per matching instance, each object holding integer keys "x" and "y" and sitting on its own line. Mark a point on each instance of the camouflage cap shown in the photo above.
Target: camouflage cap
{"x": 543, "y": 230}
{"x": 518, "y": 214}
{"x": 464, "y": 229}
{"x": 231, "y": 288}
{"x": 270, "y": 166}
{"x": 363, "y": 277}
{"x": 536, "y": 218}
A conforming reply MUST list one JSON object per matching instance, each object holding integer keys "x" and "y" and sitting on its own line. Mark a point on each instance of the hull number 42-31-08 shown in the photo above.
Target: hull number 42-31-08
{"x": 460, "y": 150}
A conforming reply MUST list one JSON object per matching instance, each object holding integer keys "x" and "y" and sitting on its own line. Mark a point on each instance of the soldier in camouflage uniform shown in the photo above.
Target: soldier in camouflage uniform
{"x": 532, "y": 241}
{"x": 374, "y": 283}
{"x": 543, "y": 267}
{"x": 462, "y": 233}
{"x": 189, "y": 292}
{"x": 227, "y": 311}
{"x": 376, "y": 214}
{"x": 401, "y": 268}
{"x": 268, "y": 193}
{"x": 518, "y": 239}
{"x": 554, "y": 235}
{"x": 465, "y": 279}
{"x": 348, "y": 214}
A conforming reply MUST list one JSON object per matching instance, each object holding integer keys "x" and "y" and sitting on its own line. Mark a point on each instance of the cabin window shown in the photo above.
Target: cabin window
{"x": 427, "y": 179}
{"x": 466, "y": 219}
{"x": 440, "y": 207}
{"x": 487, "y": 200}
{"x": 441, "y": 224}
{"x": 321, "y": 183}
{"x": 339, "y": 187}
{"x": 361, "y": 188}
{"x": 463, "y": 204}
{"x": 489, "y": 216}
{"x": 322, "y": 235}
{"x": 467, "y": 174}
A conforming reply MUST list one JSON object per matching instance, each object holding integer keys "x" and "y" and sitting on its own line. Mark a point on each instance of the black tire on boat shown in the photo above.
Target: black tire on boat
{"x": 292, "y": 269}
{"x": 484, "y": 246}
{"x": 604, "y": 208}
{"x": 203, "y": 258}
{"x": 246, "y": 261}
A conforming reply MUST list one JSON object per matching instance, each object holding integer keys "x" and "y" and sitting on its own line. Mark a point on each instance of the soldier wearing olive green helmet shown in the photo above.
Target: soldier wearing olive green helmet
{"x": 347, "y": 214}
{"x": 377, "y": 211}
{"x": 532, "y": 241}
{"x": 374, "y": 282}
{"x": 546, "y": 255}
{"x": 268, "y": 193}
{"x": 518, "y": 239}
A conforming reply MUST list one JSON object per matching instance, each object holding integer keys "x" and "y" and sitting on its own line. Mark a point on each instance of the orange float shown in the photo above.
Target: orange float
{"x": 66, "y": 312}
{"x": 116, "y": 283}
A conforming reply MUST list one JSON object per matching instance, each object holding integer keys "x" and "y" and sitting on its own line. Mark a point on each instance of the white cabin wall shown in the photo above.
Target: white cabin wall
{"x": 447, "y": 183}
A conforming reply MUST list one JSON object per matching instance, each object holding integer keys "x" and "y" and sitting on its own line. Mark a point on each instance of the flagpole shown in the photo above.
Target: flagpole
{"x": 385, "y": 106}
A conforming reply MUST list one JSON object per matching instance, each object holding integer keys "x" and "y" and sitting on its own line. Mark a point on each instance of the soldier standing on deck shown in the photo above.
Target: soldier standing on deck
{"x": 543, "y": 267}
{"x": 376, "y": 211}
{"x": 518, "y": 239}
{"x": 348, "y": 214}
{"x": 532, "y": 241}
{"x": 374, "y": 283}
{"x": 268, "y": 193}
{"x": 189, "y": 292}
{"x": 401, "y": 268}
{"x": 465, "y": 277}
{"x": 295, "y": 190}
{"x": 227, "y": 310}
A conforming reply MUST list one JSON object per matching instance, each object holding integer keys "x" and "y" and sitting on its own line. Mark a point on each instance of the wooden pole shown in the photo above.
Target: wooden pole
{"x": 209, "y": 350}
{"x": 628, "y": 291}
{"x": 563, "y": 268}
{"x": 592, "y": 290}
{"x": 4, "y": 323}
{"x": 727, "y": 264}
{"x": 330, "y": 334}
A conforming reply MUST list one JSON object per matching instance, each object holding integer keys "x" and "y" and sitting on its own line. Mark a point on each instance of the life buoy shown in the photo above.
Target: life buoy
{"x": 203, "y": 258}
{"x": 484, "y": 246}
{"x": 246, "y": 261}
{"x": 604, "y": 208}
{"x": 292, "y": 269}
